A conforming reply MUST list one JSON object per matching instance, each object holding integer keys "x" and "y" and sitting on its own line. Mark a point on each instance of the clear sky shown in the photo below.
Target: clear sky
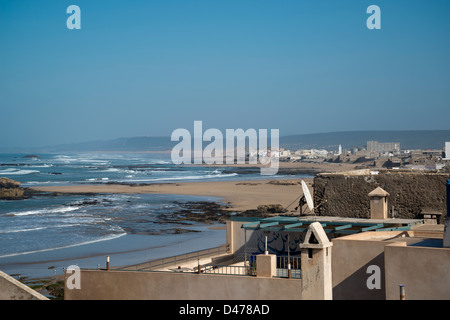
{"x": 149, "y": 67}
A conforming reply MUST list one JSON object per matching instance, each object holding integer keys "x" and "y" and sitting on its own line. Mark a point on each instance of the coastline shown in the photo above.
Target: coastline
{"x": 227, "y": 197}
{"x": 242, "y": 194}
{"x": 239, "y": 195}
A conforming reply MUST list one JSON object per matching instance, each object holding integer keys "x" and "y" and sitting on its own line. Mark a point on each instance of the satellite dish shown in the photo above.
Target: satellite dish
{"x": 307, "y": 195}
{"x": 305, "y": 199}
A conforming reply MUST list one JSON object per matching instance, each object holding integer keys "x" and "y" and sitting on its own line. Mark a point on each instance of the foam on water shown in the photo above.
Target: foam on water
{"x": 45, "y": 211}
{"x": 22, "y": 230}
{"x": 9, "y": 172}
{"x": 200, "y": 177}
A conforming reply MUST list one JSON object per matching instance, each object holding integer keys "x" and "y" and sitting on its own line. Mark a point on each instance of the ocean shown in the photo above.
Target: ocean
{"x": 44, "y": 234}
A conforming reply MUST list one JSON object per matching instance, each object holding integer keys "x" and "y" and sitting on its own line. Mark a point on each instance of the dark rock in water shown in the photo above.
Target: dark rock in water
{"x": 263, "y": 211}
{"x": 180, "y": 231}
{"x": 11, "y": 190}
{"x": 271, "y": 208}
{"x": 212, "y": 212}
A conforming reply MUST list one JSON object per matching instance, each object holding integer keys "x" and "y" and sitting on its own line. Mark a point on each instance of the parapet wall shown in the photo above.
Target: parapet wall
{"x": 137, "y": 285}
{"x": 411, "y": 193}
{"x": 423, "y": 270}
{"x": 12, "y": 289}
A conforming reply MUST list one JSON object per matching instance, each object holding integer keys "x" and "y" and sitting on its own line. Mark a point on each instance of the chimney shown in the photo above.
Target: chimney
{"x": 316, "y": 264}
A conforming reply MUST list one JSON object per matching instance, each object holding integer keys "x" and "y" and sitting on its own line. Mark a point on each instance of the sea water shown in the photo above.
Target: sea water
{"x": 45, "y": 233}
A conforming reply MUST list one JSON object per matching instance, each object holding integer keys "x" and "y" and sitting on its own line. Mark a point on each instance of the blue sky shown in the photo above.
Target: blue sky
{"x": 149, "y": 67}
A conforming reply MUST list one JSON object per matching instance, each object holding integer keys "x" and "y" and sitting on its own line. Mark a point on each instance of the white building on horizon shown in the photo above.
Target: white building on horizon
{"x": 447, "y": 151}
{"x": 375, "y": 146}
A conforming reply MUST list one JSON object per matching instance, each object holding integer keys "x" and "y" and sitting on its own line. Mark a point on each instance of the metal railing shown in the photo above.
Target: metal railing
{"x": 230, "y": 270}
{"x": 248, "y": 269}
{"x": 285, "y": 263}
{"x": 174, "y": 260}
{"x": 284, "y": 273}
{"x": 283, "y": 266}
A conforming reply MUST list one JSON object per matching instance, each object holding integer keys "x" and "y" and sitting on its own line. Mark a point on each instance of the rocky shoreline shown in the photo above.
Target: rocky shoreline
{"x": 11, "y": 190}
{"x": 212, "y": 212}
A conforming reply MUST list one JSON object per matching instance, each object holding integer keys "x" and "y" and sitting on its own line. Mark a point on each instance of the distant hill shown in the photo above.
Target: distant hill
{"x": 414, "y": 139}
{"x": 121, "y": 144}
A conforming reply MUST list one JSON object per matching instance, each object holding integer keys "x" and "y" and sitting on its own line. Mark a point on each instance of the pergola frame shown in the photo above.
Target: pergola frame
{"x": 335, "y": 225}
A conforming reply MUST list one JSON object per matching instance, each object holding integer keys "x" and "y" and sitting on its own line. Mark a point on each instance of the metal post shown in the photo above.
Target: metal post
{"x": 266, "y": 252}
{"x": 402, "y": 292}
{"x": 245, "y": 247}
{"x": 107, "y": 263}
{"x": 289, "y": 257}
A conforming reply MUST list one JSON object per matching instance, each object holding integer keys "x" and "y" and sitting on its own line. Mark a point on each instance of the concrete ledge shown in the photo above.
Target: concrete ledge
{"x": 12, "y": 289}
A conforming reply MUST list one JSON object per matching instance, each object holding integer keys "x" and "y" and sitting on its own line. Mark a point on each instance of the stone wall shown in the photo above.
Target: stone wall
{"x": 411, "y": 193}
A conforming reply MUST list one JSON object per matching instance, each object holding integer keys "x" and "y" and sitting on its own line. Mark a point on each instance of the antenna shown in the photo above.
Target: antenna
{"x": 305, "y": 199}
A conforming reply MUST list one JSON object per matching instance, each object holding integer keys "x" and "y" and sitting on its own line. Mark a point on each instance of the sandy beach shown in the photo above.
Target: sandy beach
{"x": 239, "y": 195}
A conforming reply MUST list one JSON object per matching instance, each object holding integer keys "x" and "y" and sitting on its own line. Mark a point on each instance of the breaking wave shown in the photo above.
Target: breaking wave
{"x": 106, "y": 238}
{"x": 45, "y": 211}
{"x": 7, "y": 172}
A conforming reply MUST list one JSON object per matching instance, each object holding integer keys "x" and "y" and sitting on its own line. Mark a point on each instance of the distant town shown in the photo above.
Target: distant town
{"x": 387, "y": 155}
